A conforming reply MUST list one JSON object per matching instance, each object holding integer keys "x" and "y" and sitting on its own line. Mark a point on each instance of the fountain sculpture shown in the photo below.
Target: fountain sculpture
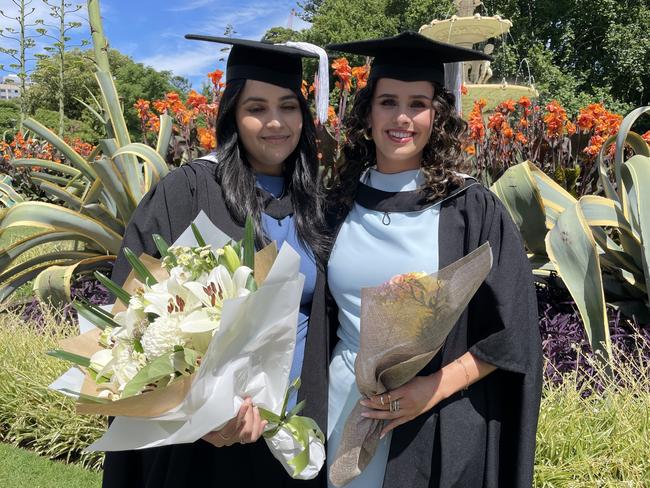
{"x": 466, "y": 29}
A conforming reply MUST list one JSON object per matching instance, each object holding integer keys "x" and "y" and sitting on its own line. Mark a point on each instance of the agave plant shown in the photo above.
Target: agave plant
{"x": 93, "y": 196}
{"x": 598, "y": 245}
{"x": 8, "y": 196}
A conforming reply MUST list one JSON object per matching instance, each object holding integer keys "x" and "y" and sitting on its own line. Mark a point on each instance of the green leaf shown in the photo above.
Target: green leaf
{"x": 71, "y": 155}
{"x": 56, "y": 191}
{"x": 161, "y": 245}
{"x": 517, "y": 189}
{"x": 140, "y": 270}
{"x": 91, "y": 313}
{"x": 149, "y": 155}
{"x": 573, "y": 250}
{"x": 56, "y": 218}
{"x": 635, "y": 176}
{"x": 114, "y": 288}
{"x": 53, "y": 285}
{"x": 164, "y": 135}
{"x": 249, "y": 243}
{"x": 156, "y": 370}
{"x": 116, "y": 187}
{"x": 43, "y": 163}
{"x": 70, "y": 357}
{"x": 197, "y": 235}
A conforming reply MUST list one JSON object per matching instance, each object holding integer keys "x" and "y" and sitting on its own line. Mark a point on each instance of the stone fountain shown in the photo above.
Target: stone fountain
{"x": 467, "y": 29}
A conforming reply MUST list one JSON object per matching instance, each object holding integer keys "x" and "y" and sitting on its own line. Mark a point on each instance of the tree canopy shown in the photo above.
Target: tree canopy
{"x": 577, "y": 50}
{"x": 133, "y": 81}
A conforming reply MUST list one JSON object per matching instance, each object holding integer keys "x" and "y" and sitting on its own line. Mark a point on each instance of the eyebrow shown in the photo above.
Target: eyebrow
{"x": 390, "y": 95}
{"x": 264, "y": 100}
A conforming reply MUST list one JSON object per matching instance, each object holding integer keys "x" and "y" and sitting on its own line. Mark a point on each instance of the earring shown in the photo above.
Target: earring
{"x": 366, "y": 136}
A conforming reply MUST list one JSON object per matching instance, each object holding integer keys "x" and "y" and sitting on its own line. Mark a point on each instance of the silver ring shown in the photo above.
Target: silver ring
{"x": 381, "y": 399}
{"x": 394, "y": 406}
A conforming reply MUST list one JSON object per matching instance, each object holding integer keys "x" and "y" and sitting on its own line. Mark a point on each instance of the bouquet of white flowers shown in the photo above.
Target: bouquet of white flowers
{"x": 192, "y": 335}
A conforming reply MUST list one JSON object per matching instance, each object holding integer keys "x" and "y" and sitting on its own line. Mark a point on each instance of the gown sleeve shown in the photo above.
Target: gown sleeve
{"x": 165, "y": 210}
{"x": 503, "y": 327}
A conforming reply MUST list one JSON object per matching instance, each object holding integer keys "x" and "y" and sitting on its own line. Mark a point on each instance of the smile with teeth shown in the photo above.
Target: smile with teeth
{"x": 400, "y": 135}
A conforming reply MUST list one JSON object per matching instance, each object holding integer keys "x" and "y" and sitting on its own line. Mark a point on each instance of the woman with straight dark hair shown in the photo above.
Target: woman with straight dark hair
{"x": 266, "y": 166}
{"x": 469, "y": 418}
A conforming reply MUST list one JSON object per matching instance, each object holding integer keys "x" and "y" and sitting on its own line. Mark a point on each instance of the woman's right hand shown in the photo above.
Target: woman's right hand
{"x": 246, "y": 427}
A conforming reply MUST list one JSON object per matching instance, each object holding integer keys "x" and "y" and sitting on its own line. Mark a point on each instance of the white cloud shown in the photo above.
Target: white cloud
{"x": 191, "y": 62}
{"x": 187, "y": 6}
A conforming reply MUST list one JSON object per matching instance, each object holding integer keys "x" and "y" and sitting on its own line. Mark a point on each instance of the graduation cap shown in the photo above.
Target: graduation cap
{"x": 279, "y": 64}
{"x": 409, "y": 56}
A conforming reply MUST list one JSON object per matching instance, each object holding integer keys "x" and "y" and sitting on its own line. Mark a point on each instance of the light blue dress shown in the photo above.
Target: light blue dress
{"x": 281, "y": 231}
{"x": 367, "y": 253}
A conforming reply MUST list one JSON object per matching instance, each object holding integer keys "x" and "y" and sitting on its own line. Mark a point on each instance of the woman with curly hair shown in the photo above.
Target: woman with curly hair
{"x": 469, "y": 418}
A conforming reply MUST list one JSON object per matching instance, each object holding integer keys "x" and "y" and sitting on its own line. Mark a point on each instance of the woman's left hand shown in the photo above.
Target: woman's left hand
{"x": 417, "y": 396}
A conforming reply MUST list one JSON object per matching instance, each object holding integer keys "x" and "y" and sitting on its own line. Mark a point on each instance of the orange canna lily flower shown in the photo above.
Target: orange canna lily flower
{"x": 207, "y": 138}
{"x": 343, "y": 71}
{"x": 361, "y": 74}
{"x": 195, "y": 100}
{"x": 215, "y": 77}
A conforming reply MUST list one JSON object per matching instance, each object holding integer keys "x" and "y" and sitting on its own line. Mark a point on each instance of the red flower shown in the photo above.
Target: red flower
{"x": 463, "y": 89}
{"x": 646, "y": 137}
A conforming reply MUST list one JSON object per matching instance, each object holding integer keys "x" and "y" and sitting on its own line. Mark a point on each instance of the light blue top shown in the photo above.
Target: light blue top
{"x": 281, "y": 231}
{"x": 367, "y": 253}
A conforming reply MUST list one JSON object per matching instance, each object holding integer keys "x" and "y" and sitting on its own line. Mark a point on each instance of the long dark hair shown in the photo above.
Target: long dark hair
{"x": 302, "y": 182}
{"x": 441, "y": 161}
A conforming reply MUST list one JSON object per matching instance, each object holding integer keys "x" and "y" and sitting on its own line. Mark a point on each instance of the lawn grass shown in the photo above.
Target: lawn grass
{"x": 21, "y": 468}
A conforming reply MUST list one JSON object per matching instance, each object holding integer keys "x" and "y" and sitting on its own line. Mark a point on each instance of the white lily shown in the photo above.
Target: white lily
{"x": 169, "y": 297}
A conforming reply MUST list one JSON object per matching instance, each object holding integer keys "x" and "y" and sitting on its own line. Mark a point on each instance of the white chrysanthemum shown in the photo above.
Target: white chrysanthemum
{"x": 161, "y": 336}
{"x": 127, "y": 363}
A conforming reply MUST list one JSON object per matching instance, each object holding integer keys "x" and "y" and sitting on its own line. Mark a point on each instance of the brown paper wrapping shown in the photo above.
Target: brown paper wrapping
{"x": 404, "y": 323}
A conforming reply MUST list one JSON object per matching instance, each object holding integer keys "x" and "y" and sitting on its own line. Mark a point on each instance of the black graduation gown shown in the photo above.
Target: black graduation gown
{"x": 168, "y": 210}
{"x": 485, "y": 436}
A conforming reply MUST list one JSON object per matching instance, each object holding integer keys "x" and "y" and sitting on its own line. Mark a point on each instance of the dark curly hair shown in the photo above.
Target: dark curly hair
{"x": 442, "y": 158}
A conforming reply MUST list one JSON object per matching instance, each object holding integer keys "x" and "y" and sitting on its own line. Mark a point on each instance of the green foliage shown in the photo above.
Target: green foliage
{"x": 93, "y": 196}
{"x": 30, "y": 414}
{"x": 579, "y": 51}
{"x": 345, "y": 20}
{"x": 20, "y": 467}
{"x": 133, "y": 81}
{"x": 599, "y": 246}
{"x": 75, "y": 129}
{"x": 600, "y": 440}
{"x": 9, "y": 118}
{"x": 278, "y": 35}
{"x": 589, "y": 49}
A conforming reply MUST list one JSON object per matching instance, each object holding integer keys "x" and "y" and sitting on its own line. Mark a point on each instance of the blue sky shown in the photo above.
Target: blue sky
{"x": 151, "y": 32}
